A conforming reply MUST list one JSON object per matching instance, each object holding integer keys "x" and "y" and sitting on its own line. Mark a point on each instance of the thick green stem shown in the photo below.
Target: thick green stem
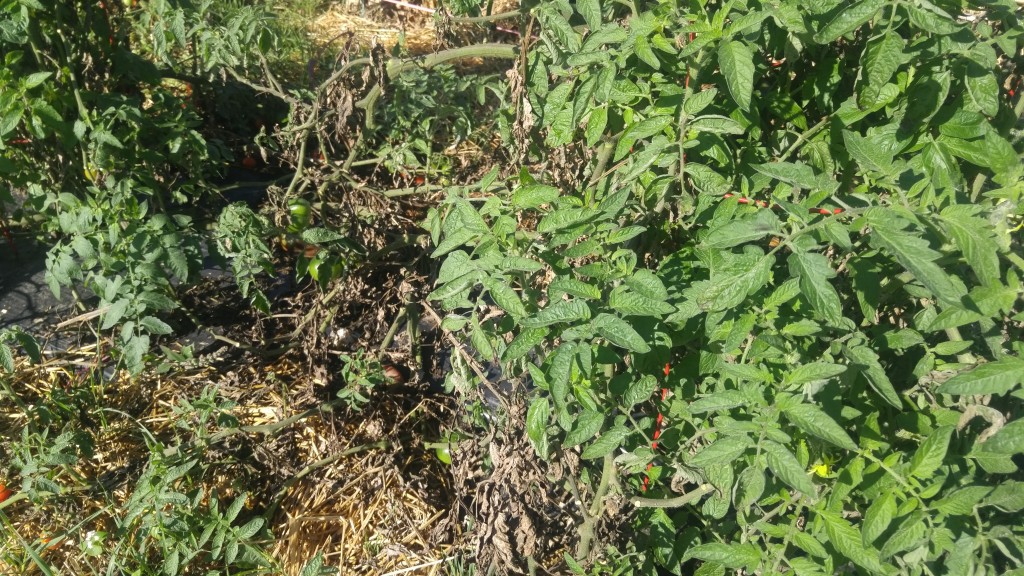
{"x": 595, "y": 513}
{"x": 683, "y": 500}
{"x": 397, "y": 67}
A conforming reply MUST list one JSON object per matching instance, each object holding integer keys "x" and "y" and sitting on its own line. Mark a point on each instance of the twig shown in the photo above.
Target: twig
{"x": 411, "y": 568}
{"x": 83, "y": 317}
{"x": 276, "y": 501}
{"x": 473, "y": 364}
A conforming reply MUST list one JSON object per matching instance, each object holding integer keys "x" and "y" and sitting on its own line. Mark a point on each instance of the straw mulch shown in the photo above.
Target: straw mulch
{"x": 351, "y": 485}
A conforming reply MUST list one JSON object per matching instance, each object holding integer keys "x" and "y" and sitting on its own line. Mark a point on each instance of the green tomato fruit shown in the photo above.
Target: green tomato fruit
{"x": 298, "y": 213}
{"x": 444, "y": 455}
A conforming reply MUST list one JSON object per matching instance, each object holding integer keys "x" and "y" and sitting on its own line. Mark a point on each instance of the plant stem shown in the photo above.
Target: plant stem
{"x": 676, "y": 502}
{"x": 397, "y": 66}
{"x": 595, "y": 513}
{"x": 803, "y": 137}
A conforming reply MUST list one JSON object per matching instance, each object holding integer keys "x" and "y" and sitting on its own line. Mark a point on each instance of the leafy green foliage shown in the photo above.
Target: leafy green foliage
{"x": 805, "y": 211}
{"x": 102, "y": 141}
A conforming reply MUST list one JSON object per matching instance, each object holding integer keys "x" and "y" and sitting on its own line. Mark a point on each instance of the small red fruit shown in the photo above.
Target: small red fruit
{"x": 249, "y": 162}
{"x": 419, "y": 180}
{"x": 5, "y": 493}
{"x": 837, "y": 210}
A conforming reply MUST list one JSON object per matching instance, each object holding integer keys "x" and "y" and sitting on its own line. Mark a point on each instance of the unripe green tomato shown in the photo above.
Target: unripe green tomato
{"x": 314, "y": 268}
{"x": 298, "y": 213}
{"x": 444, "y": 455}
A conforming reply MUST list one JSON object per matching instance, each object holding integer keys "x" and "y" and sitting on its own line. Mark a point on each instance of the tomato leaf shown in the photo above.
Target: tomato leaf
{"x": 737, "y": 64}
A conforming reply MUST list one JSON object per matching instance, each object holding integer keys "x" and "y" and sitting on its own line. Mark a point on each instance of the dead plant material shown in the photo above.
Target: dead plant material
{"x": 523, "y": 516}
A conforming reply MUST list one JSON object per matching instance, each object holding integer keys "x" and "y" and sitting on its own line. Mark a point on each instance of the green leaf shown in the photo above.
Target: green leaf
{"x": 983, "y": 89}
{"x": 155, "y": 325}
{"x": 250, "y": 528}
{"x": 561, "y": 29}
{"x": 647, "y": 128}
{"x": 997, "y": 377}
{"x": 114, "y": 314}
{"x": 745, "y": 22}
{"x": 604, "y": 445}
{"x": 694, "y": 104}
{"x": 1008, "y": 440}
{"x": 573, "y": 287}
{"x": 912, "y": 532}
{"x": 591, "y": 12}
{"x": 320, "y": 236}
{"x": 914, "y": 254}
{"x": 869, "y": 156}
{"x": 961, "y": 502}
{"x": 736, "y": 62}
{"x": 813, "y": 372}
{"x": 722, "y": 451}
{"x": 559, "y": 373}
{"x": 620, "y": 333}
{"x": 523, "y": 343}
{"x": 6, "y": 358}
{"x": 1008, "y": 496}
{"x": 533, "y": 195}
{"x": 520, "y": 264}
{"x": 628, "y": 303}
{"x": 749, "y": 486}
{"x": 36, "y": 78}
{"x": 925, "y": 97}
{"x": 731, "y": 287}
{"x": 10, "y": 121}
{"x": 625, "y": 233}
{"x": 882, "y": 59}
{"x": 729, "y": 555}
{"x": 721, "y": 400}
{"x": 866, "y": 361}
{"x": 506, "y": 298}
{"x": 715, "y": 124}
{"x": 848, "y": 19}
{"x": 312, "y": 568}
{"x": 878, "y": 517}
{"x": 642, "y": 48}
{"x": 639, "y": 391}
{"x": 587, "y": 426}
{"x": 974, "y": 237}
{"x": 930, "y": 454}
{"x": 562, "y": 311}
{"x": 816, "y": 422}
{"x": 453, "y": 288}
{"x": 787, "y": 468}
{"x": 800, "y": 175}
{"x": 170, "y": 564}
{"x": 742, "y": 230}
{"x": 933, "y": 20}
{"x": 453, "y": 241}
{"x": 647, "y": 283}
{"x": 848, "y": 541}
{"x": 596, "y": 123}
{"x": 814, "y": 272}
{"x": 563, "y": 218}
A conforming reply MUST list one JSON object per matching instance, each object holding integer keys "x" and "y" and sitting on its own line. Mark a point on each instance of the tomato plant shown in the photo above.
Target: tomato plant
{"x": 808, "y": 209}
